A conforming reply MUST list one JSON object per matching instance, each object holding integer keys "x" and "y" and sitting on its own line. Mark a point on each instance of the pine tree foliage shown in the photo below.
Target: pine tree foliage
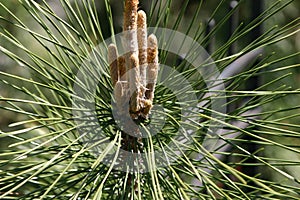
{"x": 45, "y": 154}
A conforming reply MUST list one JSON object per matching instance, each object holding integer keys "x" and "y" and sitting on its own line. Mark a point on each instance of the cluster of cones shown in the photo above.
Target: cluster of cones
{"x": 134, "y": 74}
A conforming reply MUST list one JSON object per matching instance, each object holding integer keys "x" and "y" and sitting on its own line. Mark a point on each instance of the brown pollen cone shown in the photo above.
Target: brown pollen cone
{"x": 134, "y": 83}
{"x": 153, "y": 65}
{"x": 130, "y": 14}
{"x": 113, "y": 63}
